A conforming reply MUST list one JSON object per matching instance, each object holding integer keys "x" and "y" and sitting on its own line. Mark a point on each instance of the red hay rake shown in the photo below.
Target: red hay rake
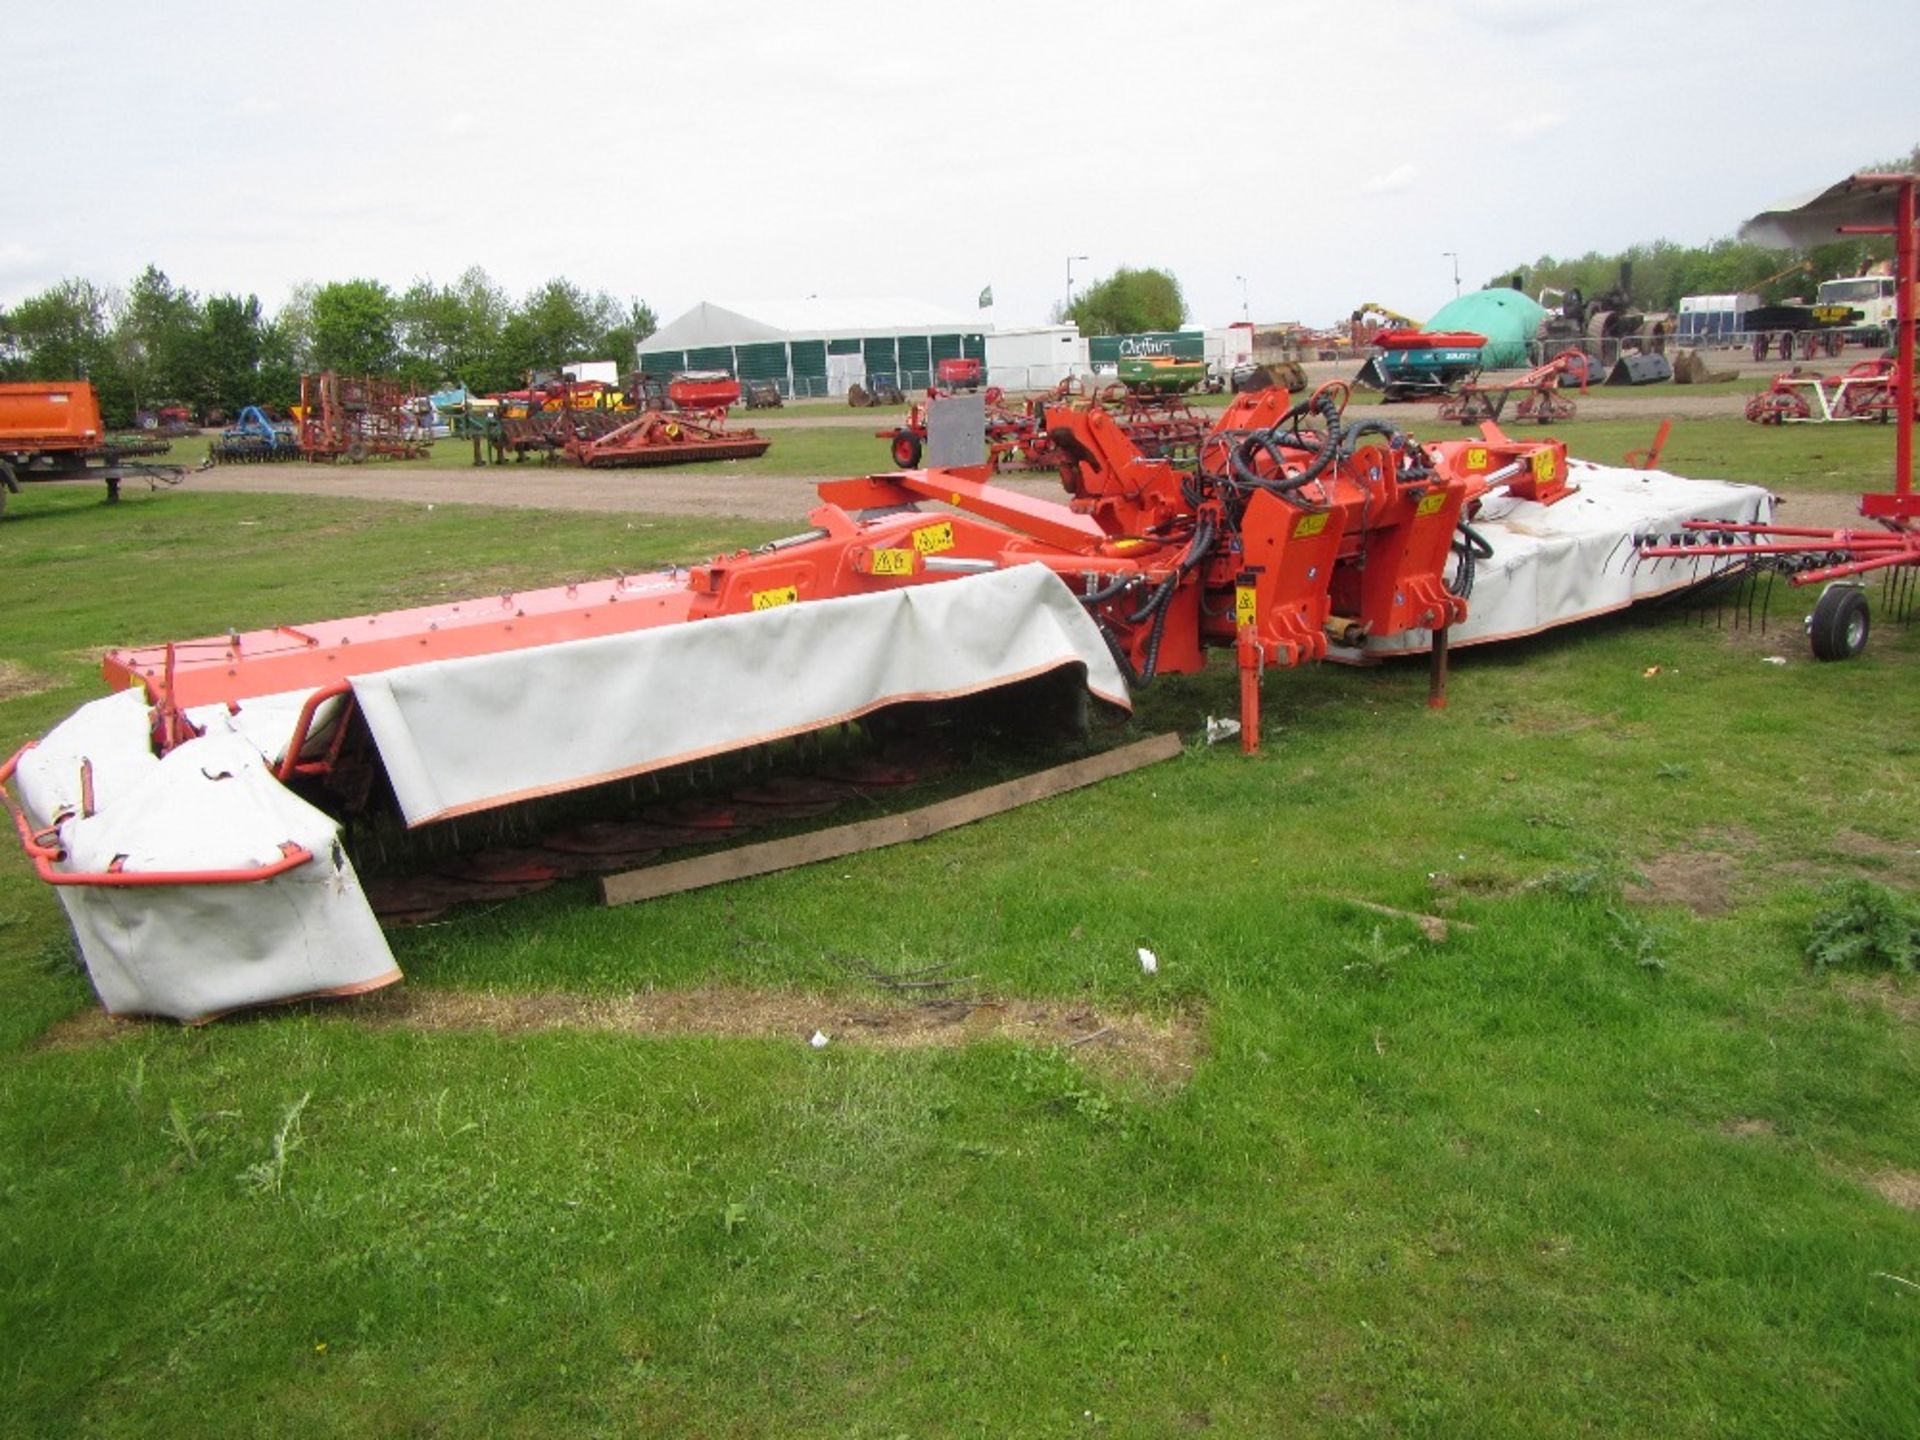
{"x": 1839, "y": 625}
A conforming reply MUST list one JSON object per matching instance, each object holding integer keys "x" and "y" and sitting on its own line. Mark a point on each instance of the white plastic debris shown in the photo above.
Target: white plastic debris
{"x": 1221, "y": 729}
{"x": 819, "y": 1041}
{"x": 1149, "y": 962}
{"x": 1773, "y": 659}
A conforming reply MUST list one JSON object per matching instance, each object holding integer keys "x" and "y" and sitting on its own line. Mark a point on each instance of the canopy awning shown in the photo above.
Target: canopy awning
{"x": 1815, "y": 217}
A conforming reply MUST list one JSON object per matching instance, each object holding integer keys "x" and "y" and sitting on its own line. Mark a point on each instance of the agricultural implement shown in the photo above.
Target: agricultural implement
{"x": 1162, "y": 427}
{"x": 191, "y": 821}
{"x": 51, "y": 430}
{"x": 1477, "y": 401}
{"x": 1839, "y": 625}
{"x": 878, "y": 389}
{"x": 357, "y": 419}
{"x": 666, "y": 437}
{"x": 1154, "y": 375}
{"x": 254, "y": 439}
{"x": 1868, "y": 391}
{"x": 704, "y": 390}
{"x": 1421, "y": 364}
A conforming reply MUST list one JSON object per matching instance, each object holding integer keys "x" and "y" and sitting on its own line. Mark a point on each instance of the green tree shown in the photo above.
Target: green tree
{"x": 556, "y": 325}
{"x": 158, "y": 337}
{"x": 65, "y": 333}
{"x": 232, "y": 347}
{"x": 1126, "y": 302}
{"x": 354, "y": 324}
{"x": 622, "y": 341}
{"x": 453, "y": 332}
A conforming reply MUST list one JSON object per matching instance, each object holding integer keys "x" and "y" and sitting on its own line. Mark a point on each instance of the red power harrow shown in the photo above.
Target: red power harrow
{"x": 667, "y": 437}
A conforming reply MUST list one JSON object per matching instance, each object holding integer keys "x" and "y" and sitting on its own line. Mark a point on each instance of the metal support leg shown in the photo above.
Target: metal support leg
{"x": 1437, "y": 671}
{"x": 1249, "y": 652}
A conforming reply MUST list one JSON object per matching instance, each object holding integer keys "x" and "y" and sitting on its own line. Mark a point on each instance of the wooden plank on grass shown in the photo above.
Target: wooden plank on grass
{"x": 654, "y": 881}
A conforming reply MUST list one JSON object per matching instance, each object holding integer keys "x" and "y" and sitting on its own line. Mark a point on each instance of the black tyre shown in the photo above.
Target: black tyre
{"x": 906, "y": 450}
{"x": 1840, "y": 625}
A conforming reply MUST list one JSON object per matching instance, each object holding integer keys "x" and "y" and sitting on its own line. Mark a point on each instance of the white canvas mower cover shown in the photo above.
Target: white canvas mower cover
{"x": 463, "y": 735}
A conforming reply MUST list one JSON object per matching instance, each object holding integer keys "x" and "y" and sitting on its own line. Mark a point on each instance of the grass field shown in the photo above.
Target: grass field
{"x": 1610, "y": 1159}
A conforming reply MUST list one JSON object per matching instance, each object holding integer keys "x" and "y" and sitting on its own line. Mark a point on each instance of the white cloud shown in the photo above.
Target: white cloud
{"x": 1400, "y": 177}
{"x": 1532, "y": 127}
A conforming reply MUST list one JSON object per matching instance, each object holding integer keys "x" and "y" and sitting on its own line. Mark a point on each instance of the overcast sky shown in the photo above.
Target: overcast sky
{"x": 1329, "y": 153}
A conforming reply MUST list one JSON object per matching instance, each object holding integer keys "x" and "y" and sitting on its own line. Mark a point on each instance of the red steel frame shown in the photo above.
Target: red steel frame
{"x": 1281, "y": 544}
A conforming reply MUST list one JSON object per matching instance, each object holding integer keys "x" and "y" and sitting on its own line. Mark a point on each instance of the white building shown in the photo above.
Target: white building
{"x": 816, "y": 346}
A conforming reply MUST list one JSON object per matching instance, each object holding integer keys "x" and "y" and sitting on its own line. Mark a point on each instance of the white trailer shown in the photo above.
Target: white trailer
{"x": 1035, "y": 357}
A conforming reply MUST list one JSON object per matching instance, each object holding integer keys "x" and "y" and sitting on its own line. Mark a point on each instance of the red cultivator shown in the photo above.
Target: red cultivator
{"x": 667, "y": 437}
{"x": 1838, "y": 627}
{"x": 357, "y": 419}
{"x": 1539, "y": 391}
{"x": 1162, "y": 427}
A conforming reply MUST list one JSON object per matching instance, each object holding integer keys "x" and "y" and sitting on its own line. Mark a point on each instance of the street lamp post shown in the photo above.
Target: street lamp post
{"x": 1245, "y": 312}
{"x": 1453, "y": 255}
{"x": 1070, "y": 260}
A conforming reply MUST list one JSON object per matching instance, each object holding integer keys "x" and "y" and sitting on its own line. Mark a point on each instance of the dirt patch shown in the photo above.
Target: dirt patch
{"x": 1849, "y": 853}
{"x": 16, "y": 681}
{"x": 1902, "y": 1187}
{"x": 1701, "y": 879}
{"x": 1885, "y": 991}
{"x": 1748, "y": 1128}
{"x": 1161, "y": 1053}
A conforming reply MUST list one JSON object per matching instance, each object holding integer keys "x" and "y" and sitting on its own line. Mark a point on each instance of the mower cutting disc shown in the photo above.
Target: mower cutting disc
{"x": 501, "y": 872}
{"x": 621, "y": 837}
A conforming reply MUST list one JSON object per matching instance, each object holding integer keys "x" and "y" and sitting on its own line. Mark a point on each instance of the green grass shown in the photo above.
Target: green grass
{"x": 1586, "y": 1168}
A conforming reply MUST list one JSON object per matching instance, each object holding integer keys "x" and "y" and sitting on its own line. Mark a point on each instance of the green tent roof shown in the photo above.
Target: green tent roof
{"x": 1508, "y": 318}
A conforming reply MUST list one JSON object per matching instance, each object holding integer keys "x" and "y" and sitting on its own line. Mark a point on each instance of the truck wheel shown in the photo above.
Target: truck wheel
{"x": 1839, "y": 625}
{"x": 906, "y": 450}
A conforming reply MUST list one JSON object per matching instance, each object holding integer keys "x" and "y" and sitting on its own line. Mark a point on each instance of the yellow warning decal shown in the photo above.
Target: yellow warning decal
{"x": 1545, "y": 464}
{"x": 1476, "y": 457}
{"x": 1310, "y": 525}
{"x": 892, "y": 562}
{"x": 1430, "y": 503}
{"x": 773, "y": 599}
{"x": 932, "y": 539}
{"x": 1245, "y": 610}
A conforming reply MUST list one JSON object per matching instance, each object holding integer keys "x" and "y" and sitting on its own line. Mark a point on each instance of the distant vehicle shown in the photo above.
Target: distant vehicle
{"x": 1872, "y": 296}
{"x": 959, "y": 373}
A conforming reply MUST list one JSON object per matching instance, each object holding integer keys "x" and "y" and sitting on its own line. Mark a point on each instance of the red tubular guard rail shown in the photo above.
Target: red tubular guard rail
{"x": 292, "y": 856}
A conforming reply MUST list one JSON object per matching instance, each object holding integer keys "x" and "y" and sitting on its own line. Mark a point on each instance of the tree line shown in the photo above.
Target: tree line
{"x": 157, "y": 344}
